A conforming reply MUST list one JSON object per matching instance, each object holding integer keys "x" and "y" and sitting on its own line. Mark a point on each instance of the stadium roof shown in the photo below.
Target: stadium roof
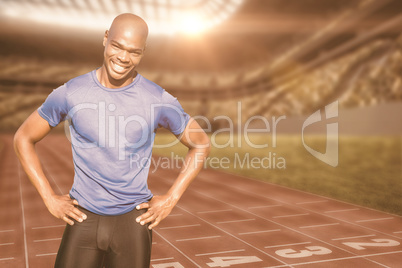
{"x": 271, "y": 38}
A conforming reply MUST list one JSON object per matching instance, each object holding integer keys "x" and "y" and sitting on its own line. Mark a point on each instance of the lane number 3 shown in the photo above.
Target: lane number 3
{"x": 309, "y": 251}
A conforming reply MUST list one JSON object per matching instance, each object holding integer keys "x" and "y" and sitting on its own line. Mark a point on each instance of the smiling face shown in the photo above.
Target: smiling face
{"x": 124, "y": 48}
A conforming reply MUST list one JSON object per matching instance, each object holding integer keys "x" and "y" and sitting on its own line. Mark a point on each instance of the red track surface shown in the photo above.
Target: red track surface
{"x": 223, "y": 220}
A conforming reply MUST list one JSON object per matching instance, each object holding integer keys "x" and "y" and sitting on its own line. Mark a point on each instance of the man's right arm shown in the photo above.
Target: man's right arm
{"x": 31, "y": 131}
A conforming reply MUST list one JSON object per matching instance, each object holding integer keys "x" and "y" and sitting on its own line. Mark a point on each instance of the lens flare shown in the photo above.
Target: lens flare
{"x": 180, "y": 16}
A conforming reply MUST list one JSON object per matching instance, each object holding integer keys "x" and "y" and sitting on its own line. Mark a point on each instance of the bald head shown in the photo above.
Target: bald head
{"x": 125, "y": 44}
{"x": 129, "y": 24}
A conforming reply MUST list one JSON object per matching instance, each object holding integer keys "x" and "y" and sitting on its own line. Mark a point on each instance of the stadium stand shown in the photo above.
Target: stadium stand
{"x": 368, "y": 76}
{"x": 359, "y": 70}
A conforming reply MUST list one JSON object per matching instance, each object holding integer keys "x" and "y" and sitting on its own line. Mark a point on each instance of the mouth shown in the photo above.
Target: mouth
{"x": 118, "y": 68}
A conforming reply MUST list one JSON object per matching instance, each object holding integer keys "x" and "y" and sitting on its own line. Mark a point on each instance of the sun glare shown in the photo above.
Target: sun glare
{"x": 192, "y": 25}
{"x": 190, "y": 17}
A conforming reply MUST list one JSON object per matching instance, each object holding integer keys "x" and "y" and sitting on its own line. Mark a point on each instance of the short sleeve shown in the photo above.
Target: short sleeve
{"x": 172, "y": 116}
{"x": 54, "y": 110}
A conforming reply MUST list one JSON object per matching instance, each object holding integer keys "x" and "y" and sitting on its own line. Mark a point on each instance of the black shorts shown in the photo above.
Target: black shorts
{"x": 106, "y": 241}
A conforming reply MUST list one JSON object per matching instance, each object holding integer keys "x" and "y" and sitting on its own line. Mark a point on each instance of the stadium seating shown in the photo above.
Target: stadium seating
{"x": 365, "y": 76}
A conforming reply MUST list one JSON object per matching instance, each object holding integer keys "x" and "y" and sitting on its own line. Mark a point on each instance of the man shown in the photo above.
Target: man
{"x": 113, "y": 113}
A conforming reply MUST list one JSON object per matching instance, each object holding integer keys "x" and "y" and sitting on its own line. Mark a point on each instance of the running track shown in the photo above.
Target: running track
{"x": 223, "y": 220}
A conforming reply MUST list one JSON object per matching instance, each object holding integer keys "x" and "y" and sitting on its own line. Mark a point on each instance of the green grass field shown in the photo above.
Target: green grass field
{"x": 369, "y": 172}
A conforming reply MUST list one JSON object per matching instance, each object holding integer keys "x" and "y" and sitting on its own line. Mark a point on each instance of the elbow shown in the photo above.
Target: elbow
{"x": 206, "y": 145}
{"x": 17, "y": 141}
{"x": 201, "y": 145}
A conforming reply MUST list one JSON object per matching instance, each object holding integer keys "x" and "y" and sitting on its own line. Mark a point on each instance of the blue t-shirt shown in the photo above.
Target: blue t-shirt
{"x": 112, "y": 132}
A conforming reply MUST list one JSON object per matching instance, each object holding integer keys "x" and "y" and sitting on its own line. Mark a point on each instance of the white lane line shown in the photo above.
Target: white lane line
{"x": 397, "y": 232}
{"x": 340, "y": 259}
{"x": 7, "y": 259}
{"x": 182, "y": 226}
{"x": 6, "y": 231}
{"x": 173, "y": 246}
{"x": 341, "y": 210}
{"x": 253, "y": 193}
{"x": 379, "y": 219}
{"x": 270, "y": 199}
{"x": 7, "y": 244}
{"x": 198, "y": 238}
{"x": 229, "y": 234}
{"x": 23, "y": 219}
{"x": 222, "y": 222}
{"x": 284, "y": 245}
{"x": 46, "y": 227}
{"x": 259, "y": 232}
{"x": 162, "y": 259}
{"x": 319, "y": 225}
{"x": 267, "y": 219}
{"x": 269, "y": 206}
{"x": 45, "y": 254}
{"x": 294, "y": 215}
{"x": 174, "y": 215}
{"x": 45, "y": 240}
{"x": 350, "y": 237}
{"x": 312, "y": 202}
{"x": 214, "y": 211}
{"x": 220, "y": 252}
{"x": 213, "y": 197}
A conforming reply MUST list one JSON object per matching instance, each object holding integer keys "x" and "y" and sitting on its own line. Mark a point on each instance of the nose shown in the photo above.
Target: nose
{"x": 123, "y": 56}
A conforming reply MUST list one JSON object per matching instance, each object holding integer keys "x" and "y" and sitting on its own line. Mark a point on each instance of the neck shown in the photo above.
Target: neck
{"x": 109, "y": 82}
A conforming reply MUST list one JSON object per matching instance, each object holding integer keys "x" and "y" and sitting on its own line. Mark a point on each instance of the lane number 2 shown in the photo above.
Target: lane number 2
{"x": 317, "y": 250}
{"x": 286, "y": 253}
{"x": 376, "y": 243}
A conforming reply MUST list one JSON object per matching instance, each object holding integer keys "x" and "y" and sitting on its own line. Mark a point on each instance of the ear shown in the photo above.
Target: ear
{"x": 105, "y": 37}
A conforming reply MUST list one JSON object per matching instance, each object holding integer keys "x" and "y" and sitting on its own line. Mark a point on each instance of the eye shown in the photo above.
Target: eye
{"x": 115, "y": 46}
{"x": 136, "y": 53}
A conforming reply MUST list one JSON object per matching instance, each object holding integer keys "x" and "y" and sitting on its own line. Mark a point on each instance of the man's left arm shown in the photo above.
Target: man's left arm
{"x": 160, "y": 206}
